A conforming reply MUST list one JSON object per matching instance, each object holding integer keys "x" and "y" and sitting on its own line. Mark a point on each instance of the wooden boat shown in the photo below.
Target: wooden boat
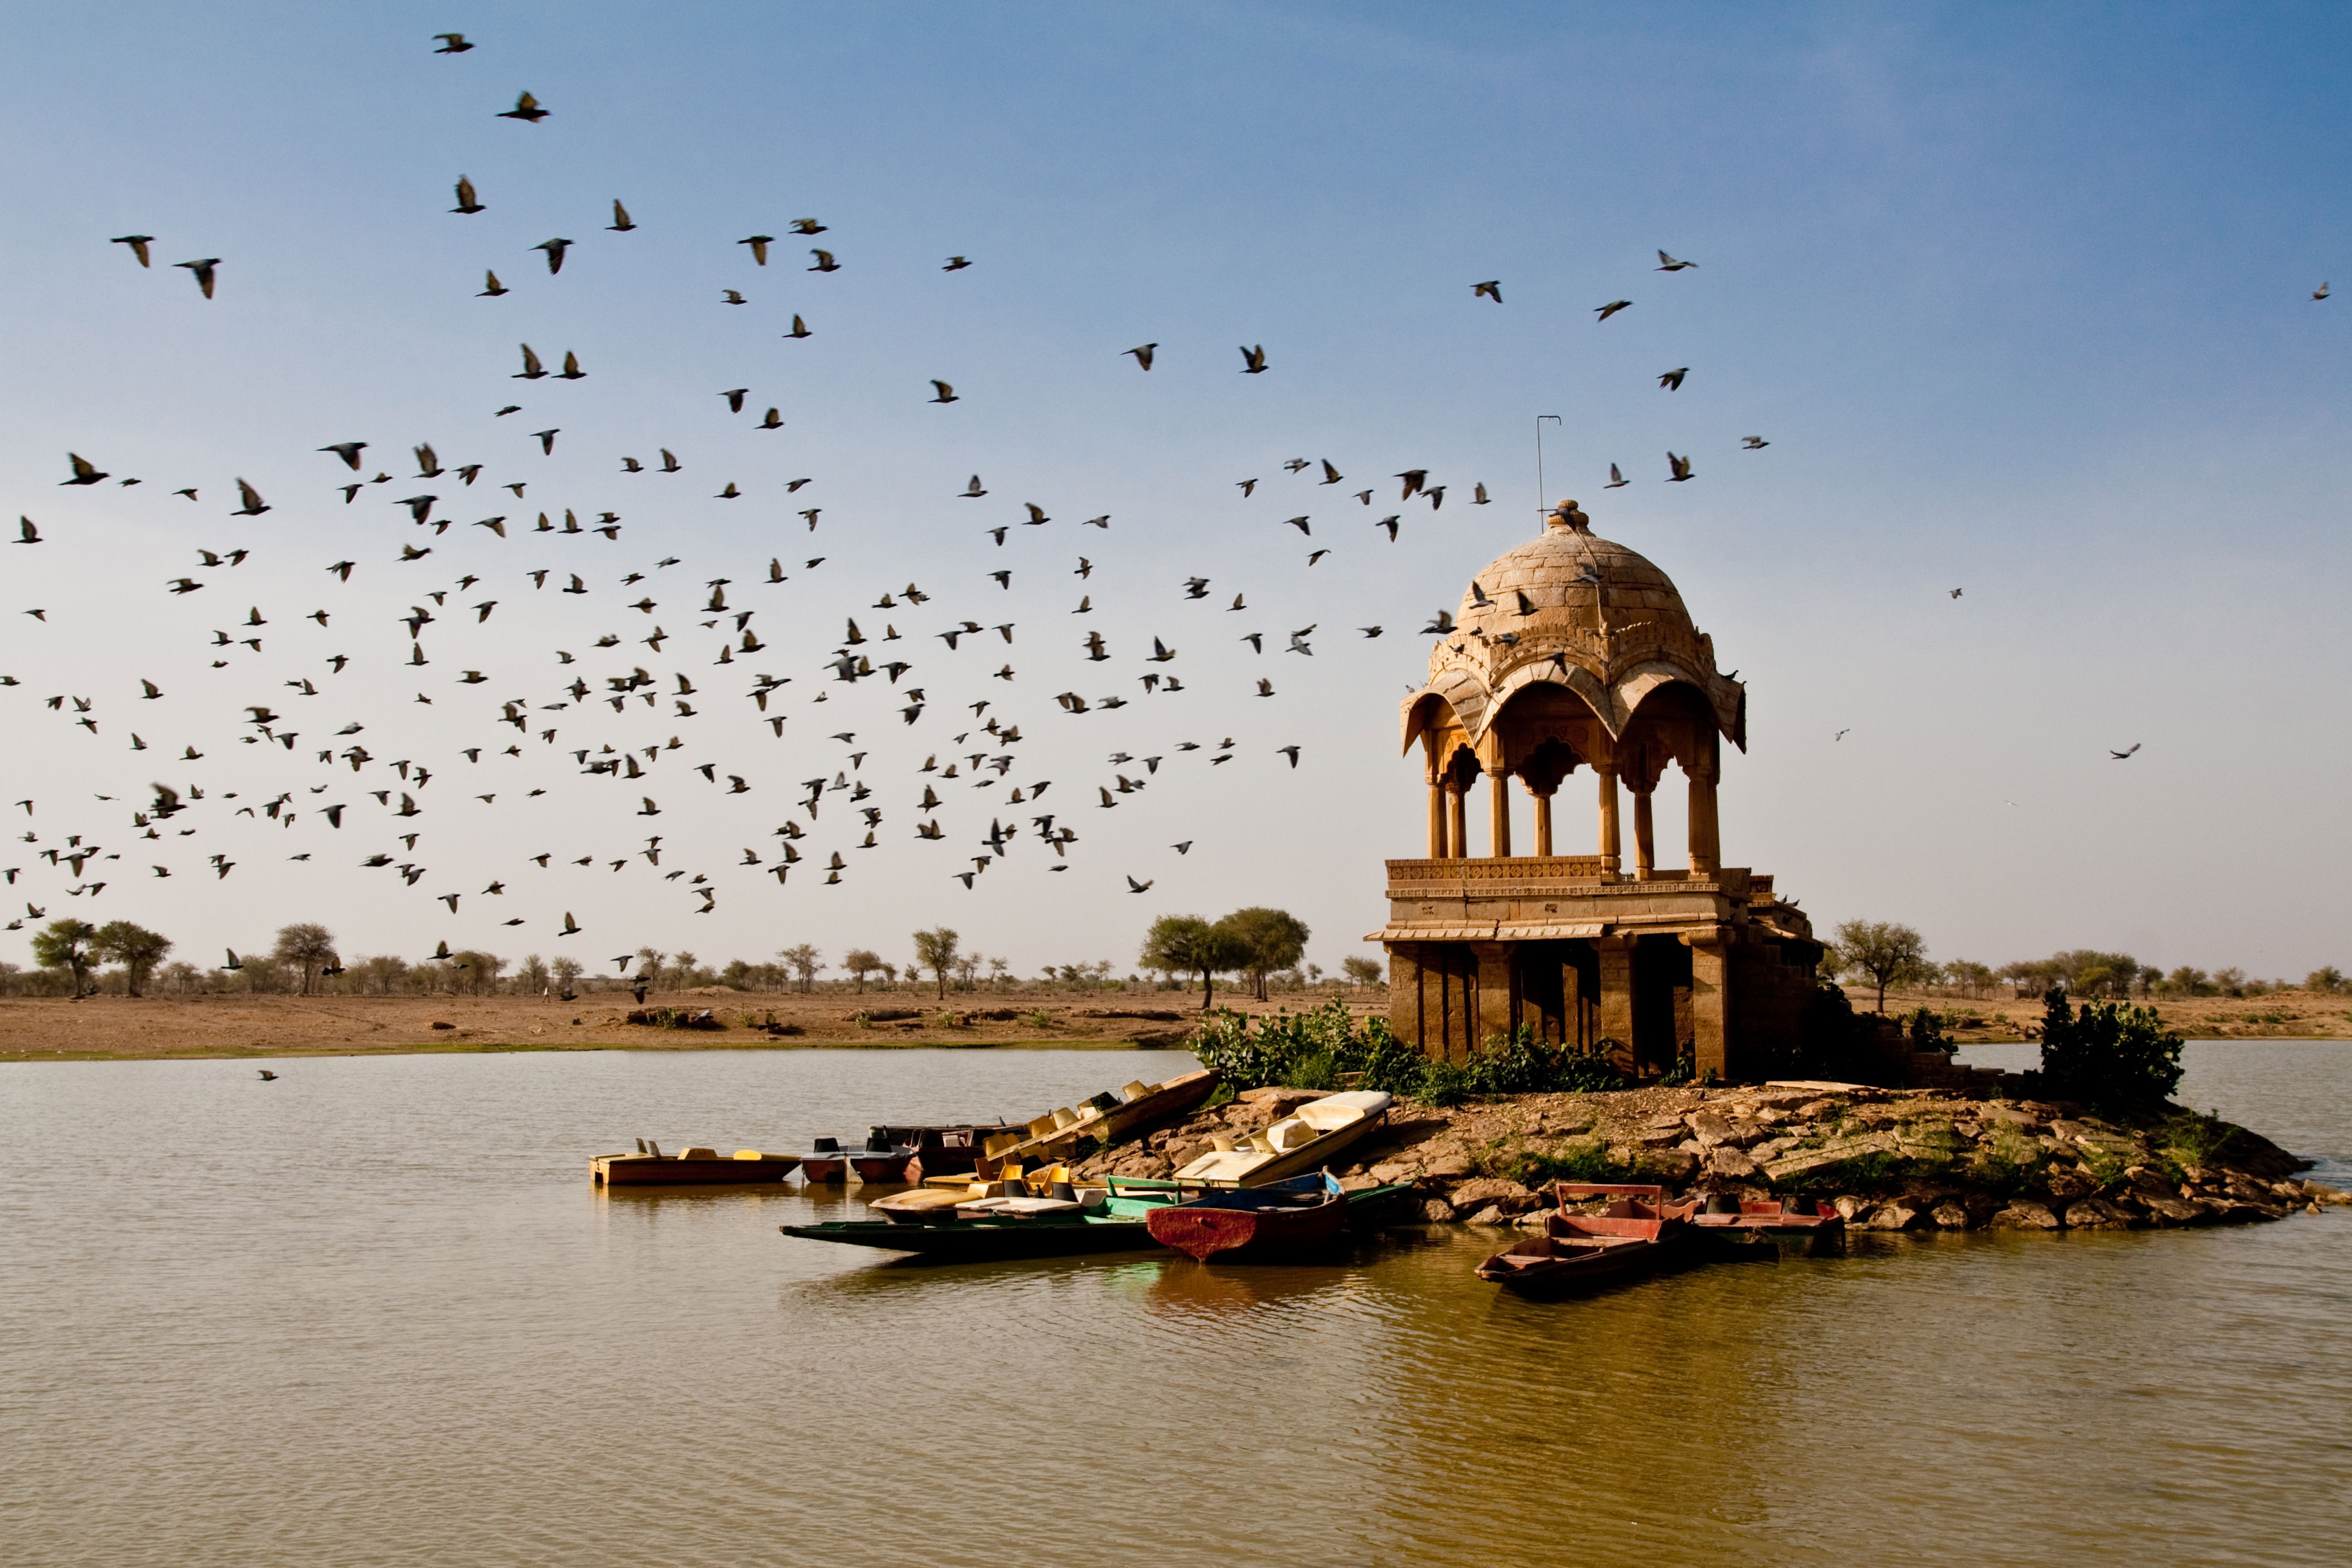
{"x": 950, "y": 1151}
{"x": 1274, "y": 1223}
{"x": 1103, "y": 1119}
{"x": 1304, "y": 1141}
{"x": 934, "y": 1202}
{"x": 1116, "y": 1218}
{"x": 825, "y": 1162}
{"x": 651, "y": 1167}
{"x": 882, "y": 1158}
{"x": 1577, "y": 1250}
{"x": 1794, "y": 1225}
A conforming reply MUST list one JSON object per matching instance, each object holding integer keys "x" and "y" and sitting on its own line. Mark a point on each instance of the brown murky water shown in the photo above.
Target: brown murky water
{"x": 374, "y": 1313}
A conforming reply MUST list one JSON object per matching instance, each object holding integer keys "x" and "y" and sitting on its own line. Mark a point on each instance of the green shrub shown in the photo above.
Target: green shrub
{"x": 1584, "y": 1160}
{"x": 2107, "y": 1055}
{"x": 2006, "y": 1162}
{"x": 2189, "y": 1140}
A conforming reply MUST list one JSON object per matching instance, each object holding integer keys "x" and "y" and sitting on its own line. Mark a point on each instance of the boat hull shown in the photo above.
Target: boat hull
{"x": 1248, "y": 1235}
{"x": 1547, "y": 1267}
{"x": 651, "y": 1170}
{"x": 981, "y": 1241}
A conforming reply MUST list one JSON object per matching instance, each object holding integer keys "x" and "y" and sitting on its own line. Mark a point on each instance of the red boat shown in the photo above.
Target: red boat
{"x": 1633, "y": 1235}
{"x": 1789, "y": 1225}
{"x": 1261, "y": 1224}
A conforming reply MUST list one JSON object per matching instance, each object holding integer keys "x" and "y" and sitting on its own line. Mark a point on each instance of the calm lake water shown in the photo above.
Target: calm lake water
{"x": 375, "y": 1314}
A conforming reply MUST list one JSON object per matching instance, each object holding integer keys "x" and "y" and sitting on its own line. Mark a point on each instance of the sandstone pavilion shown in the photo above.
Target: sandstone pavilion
{"x": 1574, "y": 653}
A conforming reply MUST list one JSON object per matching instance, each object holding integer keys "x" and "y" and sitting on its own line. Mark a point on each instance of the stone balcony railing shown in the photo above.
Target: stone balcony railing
{"x": 1509, "y": 868}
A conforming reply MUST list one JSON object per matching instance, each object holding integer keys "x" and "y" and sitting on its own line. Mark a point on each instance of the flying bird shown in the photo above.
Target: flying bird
{"x": 1490, "y": 290}
{"x": 1668, "y": 264}
{"x": 139, "y": 244}
{"x": 1614, "y": 306}
{"x": 452, "y": 43}
{"x": 254, "y": 504}
{"x": 1682, "y": 469}
{"x": 2318, "y": 293}
{"x": 946, "y": 392}
{"x": 1142, "y": 353}
{"x": 493, "y": 289}
{"x": 526, "y": 108}
{"x": 1753, "y": 443}
{"x": 759, "y": 244}
{"x": 554, "y": 249}
{"x": 465, "y": 199}
{"x": 1135, "y": 886}
{"x": 622, "y": 222}
{"x": 29, "y": 535}
{"x": 2120, "y": 755}
{"x": 349, "y": 451}
{"x": 1616, "y": 480}
{"x": 1253, "y": 360}
{"x": 1672, "y": 380}
{"x": 824, "y": 262}
{"x": 955, "y": 263}
{"x": 203, "y": 271}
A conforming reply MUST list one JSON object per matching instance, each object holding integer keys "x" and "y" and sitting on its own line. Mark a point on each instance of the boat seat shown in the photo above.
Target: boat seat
{"x": 697, "y": 1153}
{"x": 1286, "y": 1135}
{"x": 1135, "y": 1091}
{"x": 1064, "y": 1117}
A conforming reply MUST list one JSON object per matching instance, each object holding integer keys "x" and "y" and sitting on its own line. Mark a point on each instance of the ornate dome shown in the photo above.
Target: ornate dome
{"x": 1572, "y": 609}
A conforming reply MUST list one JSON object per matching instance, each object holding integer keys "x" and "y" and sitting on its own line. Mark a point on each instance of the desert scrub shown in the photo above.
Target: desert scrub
{"x": 1579, "y": 1160}
{"x": 2189, "y": 1141}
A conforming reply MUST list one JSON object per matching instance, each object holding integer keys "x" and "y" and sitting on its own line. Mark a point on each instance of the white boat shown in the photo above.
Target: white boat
{"x": 1305, "y": 1140}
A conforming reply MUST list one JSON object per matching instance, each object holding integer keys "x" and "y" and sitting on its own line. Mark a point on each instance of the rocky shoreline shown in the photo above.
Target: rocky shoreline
{"x": 1886, "y": 1159}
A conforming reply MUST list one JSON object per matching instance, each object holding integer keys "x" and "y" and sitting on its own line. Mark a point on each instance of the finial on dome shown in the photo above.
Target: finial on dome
{"x": 1569, "y": 517}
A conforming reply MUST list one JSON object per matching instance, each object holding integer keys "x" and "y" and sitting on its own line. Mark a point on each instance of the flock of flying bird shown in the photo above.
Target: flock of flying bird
{"x": 381, "y": 793}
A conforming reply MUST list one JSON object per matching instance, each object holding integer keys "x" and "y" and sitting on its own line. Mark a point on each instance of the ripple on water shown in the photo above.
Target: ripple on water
{"x": 374, "y": 1314}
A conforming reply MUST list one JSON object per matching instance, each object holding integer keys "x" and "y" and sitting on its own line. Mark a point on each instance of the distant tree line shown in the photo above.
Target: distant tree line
{"x": 1887, "y": 956}
{"x": 74, "y": 958}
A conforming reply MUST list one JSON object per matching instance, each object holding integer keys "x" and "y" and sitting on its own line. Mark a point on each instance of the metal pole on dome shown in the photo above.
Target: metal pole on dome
{"x": 1540, "y": 492}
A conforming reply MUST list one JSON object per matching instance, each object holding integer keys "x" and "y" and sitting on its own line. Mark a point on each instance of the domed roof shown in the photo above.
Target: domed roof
{"x": 1568, "y": 573}
{"x": 1572, "y": 609}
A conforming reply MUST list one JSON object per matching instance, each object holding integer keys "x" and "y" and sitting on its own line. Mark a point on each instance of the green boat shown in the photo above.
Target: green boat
{"x": 1115, "y": 1224}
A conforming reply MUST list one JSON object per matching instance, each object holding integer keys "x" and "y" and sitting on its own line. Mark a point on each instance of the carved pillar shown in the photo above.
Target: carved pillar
{"x": 1645, "y": 843}
{"x": 1543, "y": 819}
{"x": 1711, "y": 1002}
{"x": 1610, "y": 857}
{"x": 1498, "y": 814}
{"x": 1437, "y": 820}
{"x": 1457, "y": 814}
{"x": 1497, "y": 1008}
{"x": 1404, "y": 993}
{"x": 1706, "y": 841}
{"x": 1616, "y": 1020}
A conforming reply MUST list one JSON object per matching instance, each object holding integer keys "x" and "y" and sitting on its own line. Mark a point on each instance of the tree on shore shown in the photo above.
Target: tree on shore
{"x": 936, "y": 950}
{"x": 135, "y": 948}
{"x": 860, "y": 962}
{"x": 65, "y": 944}
{"x": 306, "y": 946}
{"x": 565, "y": 970}
{"x": 1188, "y": 944}
{"x": 1889, "y": 954}
{"x": 803, "y": 963}
{"x": 1362, "y": 971}
{"x": 1271, "y": 939}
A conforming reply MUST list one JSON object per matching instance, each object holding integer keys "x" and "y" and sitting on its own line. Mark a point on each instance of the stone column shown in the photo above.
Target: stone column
{"x": 1705, "y": 844}
{"x": 1543, "y": 821}
{"x": 1610, "y": 856}
{"x": 1457, "y": 814}
{"x": 1645, "y": 843}
{"x": 1710, "y": 1002}
{"x": 1436, "y": 821}
{"x": 1404, "y": 994}
{"x": 1498, "y": 814}
{"x": 1616, "y": 987}
{"x": 1497, "y": 1007}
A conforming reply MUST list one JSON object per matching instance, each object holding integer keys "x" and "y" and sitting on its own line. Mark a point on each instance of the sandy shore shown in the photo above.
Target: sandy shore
{"x": 50, "y": 1028}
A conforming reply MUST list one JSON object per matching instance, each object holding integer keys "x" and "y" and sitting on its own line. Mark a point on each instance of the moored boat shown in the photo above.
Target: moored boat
{"x": 1577, "y": 1249}
{"x": 883, "y": 1158}
{"x": 946, "y": 1151}
{"x": 1791, "y": 1225}
{"x": 1100, "y": 1119}
{"x": 1275, "y": 1223}
{"x": 691, "y": 1166}
{"x": 1306, "y": 1140}
{"x": 824, "y": 1162}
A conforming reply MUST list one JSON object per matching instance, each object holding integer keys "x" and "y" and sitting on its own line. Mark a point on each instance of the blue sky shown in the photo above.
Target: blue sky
{"x": 2018, "y": 295}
